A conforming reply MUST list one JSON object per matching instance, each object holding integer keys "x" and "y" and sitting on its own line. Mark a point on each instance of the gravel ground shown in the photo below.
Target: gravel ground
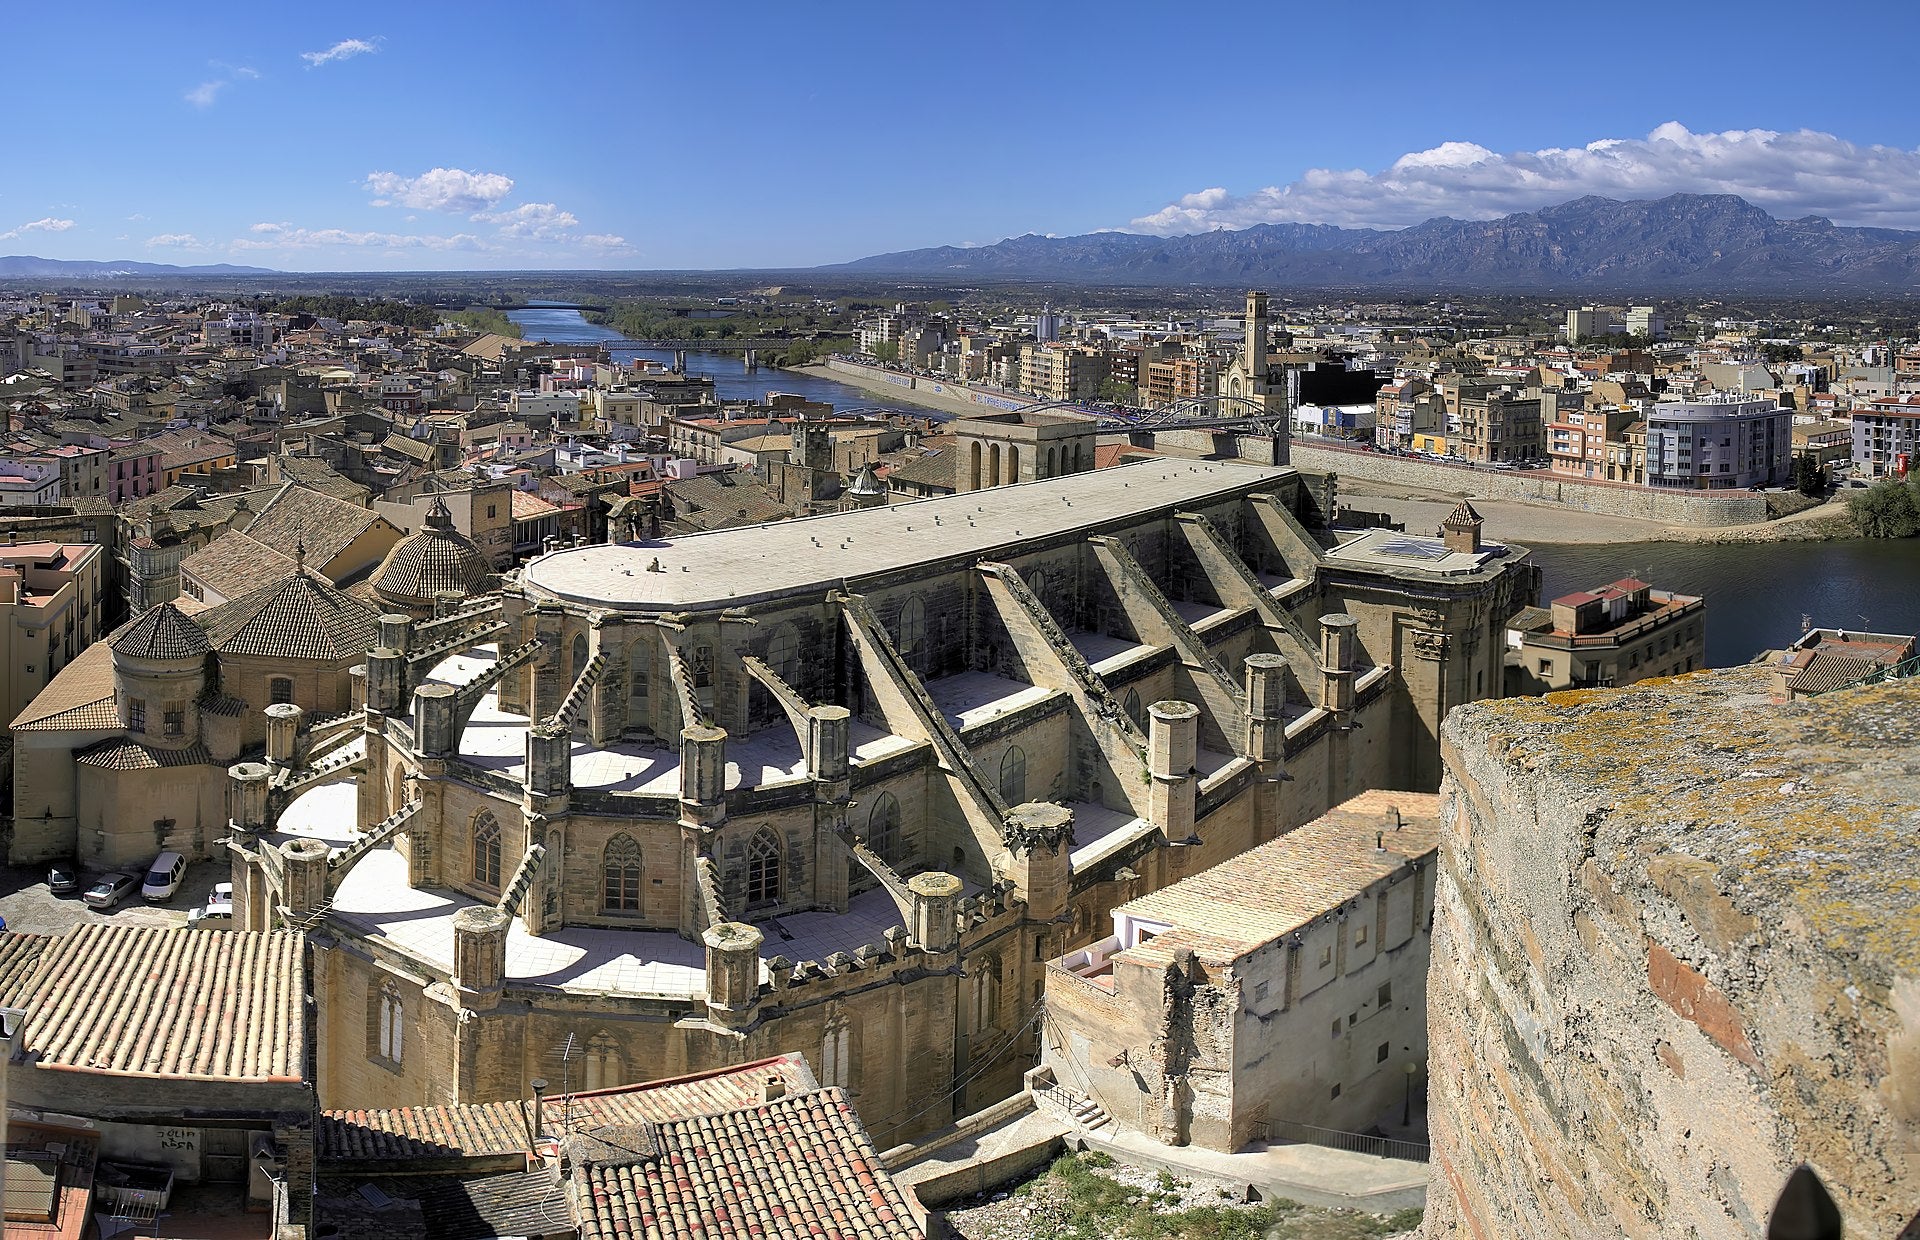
{"x": 1090, "y": 1197}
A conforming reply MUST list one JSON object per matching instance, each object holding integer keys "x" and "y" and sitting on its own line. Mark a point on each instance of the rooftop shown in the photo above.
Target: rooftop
{"x": 1250, "y": 900}
{"x": 727, "y": 568}
{"x": 1392, "y": 551}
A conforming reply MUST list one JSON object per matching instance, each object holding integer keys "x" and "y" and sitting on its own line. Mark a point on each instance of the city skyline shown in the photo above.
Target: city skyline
{"x": 380, "y": 138}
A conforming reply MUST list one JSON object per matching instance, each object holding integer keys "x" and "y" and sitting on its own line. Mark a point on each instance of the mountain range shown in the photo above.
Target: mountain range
{"x": 1703, "y": 242}
{"x": 27, "y": 267}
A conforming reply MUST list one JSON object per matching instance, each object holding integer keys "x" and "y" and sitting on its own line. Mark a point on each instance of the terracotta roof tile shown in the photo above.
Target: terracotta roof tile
{"x": 325, "y": 526}
{"x": 235, "y": 564}
{"x": 801, "y": 1166}
{"x": 19, "y": 958}
{"x": 161, "y": 632}
{"x": 487, "y": 1129}
{"x": 121, "y": 754}
{"x": 301, "y": 617}
{"x": 161, "y": 1002}
{"x": 79, "y": 696}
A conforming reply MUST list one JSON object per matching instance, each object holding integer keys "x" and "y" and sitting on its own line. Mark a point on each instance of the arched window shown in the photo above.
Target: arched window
{"x": 579, "y": 655}
{"x": 1013, "y": 775}
{"x": 913, "y": 632}
{"x": 1135, "y": 711}
{"x": 973, "y": 471}
{"x": 389, "y": 1024}
{"x": 605, "y": 1067}
{"x": 486, "y": 850}
{"x": 279, "y": 690}
{"x": 993, "y": 465}
{"x": 1013, "y": 463}
{"x": 782, "y": 649}
{"x": 1053, "y": 461}
{"x": 883, "y": 828}
{"x": 763, "y": 870}
{"x": 834, "y": 1048}
{"x": 621, "y": 872}
{"x": 1038, "y": 582}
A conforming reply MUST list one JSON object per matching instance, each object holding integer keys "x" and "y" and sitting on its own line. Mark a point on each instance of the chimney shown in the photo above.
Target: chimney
{"x": 539, "y": 1084}
{"x": 775, "y": 1086}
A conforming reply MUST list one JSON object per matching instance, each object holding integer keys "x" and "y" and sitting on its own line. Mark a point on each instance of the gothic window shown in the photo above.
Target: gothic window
{"x": 782, "y": 648}
{"x": 1013, "y": 775}
{"x": 883, "y": 828}
{"x": 1134, "y": 710}
{"x": 605, "y": 1067}
{"x": 913, "y": 632}
{"x": 763, "y": 870}
{"x": 279, "y": 690}
{"x": 389, "y": 1025}
{"x": 621, "y": 863}
{"x": 486, "y": 850}
{"x": 702, "y": 667}
{"x": 579, "y": 655}
{"x": 1037, "y": 582}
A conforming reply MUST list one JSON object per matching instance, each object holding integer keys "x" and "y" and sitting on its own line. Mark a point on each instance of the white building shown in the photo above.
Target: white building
{"x": 1720, "y": 441}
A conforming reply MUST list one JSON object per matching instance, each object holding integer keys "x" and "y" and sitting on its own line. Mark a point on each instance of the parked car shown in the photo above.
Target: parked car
{"x": 164, "y": 877}
{"x": 216, "y": 913}
{"x": 64, "y": 879}
{"x": 110, "y": 890}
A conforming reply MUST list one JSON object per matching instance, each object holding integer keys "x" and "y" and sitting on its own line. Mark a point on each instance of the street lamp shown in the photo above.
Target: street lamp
{"x": 1406, "y": 1109}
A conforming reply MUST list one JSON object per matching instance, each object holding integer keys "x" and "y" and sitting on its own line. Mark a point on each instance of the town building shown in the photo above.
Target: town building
{"x": 1722, "y": 441}
{"x": 1501, "y": 425}
{"x": 1823, "y": 660}
{"x": 1613, "y": 635}
{"x": 161, "y": 1079}
{"x": 52, "y": 607}
{"x": 1283, "y": 987}
{"x": 694, "y": 800}
{"x": 1062, "y": 371}
{"x": 1886, "y": 436}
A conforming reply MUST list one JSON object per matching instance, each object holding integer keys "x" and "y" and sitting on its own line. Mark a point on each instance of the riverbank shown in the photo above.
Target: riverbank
{"x": 952, "y": 406}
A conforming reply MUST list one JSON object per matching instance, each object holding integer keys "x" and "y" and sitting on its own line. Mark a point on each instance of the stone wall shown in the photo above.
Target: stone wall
{"x": 1606, "y": 498}
{"x": 1676, "y": 952}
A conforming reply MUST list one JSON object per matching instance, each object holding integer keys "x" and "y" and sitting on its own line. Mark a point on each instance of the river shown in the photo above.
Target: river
{"x": 731, "y": 378}
{"x": 1756, "y": 592}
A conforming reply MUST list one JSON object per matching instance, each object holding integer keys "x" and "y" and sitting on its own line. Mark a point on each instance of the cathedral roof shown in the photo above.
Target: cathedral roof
{"x": 162, "y": 632}
{"x": 300, "y": 617}
{"x": 434, "y": 558}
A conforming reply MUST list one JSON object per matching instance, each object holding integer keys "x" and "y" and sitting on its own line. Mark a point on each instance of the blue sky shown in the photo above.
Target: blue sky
{"x": 419, "y": 135}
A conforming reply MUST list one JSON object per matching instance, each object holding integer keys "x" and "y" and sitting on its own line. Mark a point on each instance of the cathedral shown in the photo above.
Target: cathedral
{"x": 841, "y": 784}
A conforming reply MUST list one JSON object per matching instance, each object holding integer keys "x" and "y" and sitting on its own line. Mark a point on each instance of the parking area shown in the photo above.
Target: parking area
{"x": 29, "y": 907}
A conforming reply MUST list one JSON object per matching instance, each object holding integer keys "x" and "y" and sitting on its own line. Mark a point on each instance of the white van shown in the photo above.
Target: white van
{"x": 163, "y": 877}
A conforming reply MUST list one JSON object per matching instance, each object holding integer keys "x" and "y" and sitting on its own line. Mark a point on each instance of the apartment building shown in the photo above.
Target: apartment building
{"x": 1606, "y": 637}
{"x": 1502, "y": 425}
{"x": 1578, "y": 439}
{"x": 1720, "y": 441}
{"x": 1886, "y": 436}
{"x": 1177, "y": 378}
{"x": 1062, "y": 371}
{"x": 50, "y": 611}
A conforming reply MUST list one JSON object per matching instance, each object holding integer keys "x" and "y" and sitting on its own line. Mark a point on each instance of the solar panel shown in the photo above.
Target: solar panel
{"x": 1415, "y": 548}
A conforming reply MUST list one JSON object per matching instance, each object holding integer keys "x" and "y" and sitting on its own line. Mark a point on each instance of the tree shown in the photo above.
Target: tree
{"x": 888, "y": 351}
{"x": 1118, "y": 391}
{"x": 1809, "y": 477}
{"x": 1888, "y": 510}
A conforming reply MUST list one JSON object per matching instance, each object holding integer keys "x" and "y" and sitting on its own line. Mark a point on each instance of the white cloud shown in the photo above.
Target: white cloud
{"x": 1787, "y": 174}
{"x": 345, "y": 49}
{"x": 289, "y": 237}
{"x": 204, "y": 95}
{"x": 607, "y": 243}
{"x": 542, "y": 221}
{"x": 440, "y": 189}
{"x": 137, "y": 216}
{"x": 176, "y": 241}
{"x": 47, "y": 224}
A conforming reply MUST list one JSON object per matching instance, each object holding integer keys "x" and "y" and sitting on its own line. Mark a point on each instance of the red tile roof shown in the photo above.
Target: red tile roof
{"x": 799, "y": 1167}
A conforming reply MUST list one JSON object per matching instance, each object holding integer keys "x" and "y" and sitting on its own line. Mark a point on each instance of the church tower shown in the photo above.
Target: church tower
{"x": 1255, "y": 348}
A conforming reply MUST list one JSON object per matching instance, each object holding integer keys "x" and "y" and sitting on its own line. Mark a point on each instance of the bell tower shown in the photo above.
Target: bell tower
{"x": 1255, "y": 348}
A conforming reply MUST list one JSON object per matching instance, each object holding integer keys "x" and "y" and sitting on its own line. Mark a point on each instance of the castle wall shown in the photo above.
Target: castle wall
{"x": 1658, "y": 983}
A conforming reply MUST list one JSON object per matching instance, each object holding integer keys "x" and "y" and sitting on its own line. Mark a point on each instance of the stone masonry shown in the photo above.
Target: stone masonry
{"x": 1676, "y": 952}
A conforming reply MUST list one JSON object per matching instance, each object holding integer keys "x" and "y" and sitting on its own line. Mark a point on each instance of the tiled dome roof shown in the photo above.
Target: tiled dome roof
{"x": 301, "y": 617}
{"x": 163, "y": 632}
{"x": 434, "y": 558}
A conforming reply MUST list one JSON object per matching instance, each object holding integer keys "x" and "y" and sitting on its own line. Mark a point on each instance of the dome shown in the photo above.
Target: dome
{"x": 162, "y": 632}
{"x": 867, "y": 482}
{"x": 435, "y": 558}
